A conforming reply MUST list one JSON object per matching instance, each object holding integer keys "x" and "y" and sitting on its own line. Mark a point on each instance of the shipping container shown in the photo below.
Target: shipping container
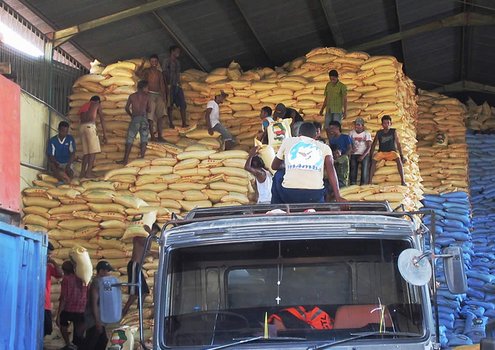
{"x": 22, "y": 288}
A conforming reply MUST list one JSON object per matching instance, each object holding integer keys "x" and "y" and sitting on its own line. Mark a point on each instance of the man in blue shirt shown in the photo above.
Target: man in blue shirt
{"x": 344, "y": 144}
{"x": 61, "y": 151}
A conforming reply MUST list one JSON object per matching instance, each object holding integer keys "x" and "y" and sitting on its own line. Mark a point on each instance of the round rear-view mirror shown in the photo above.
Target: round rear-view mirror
{"x": 416, "y": 271}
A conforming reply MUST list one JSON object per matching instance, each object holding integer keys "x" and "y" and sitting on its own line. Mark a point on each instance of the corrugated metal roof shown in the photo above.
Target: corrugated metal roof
{"x": 268, "y": 33}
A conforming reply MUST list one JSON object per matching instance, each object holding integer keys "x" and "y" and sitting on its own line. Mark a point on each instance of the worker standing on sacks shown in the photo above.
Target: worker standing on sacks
{"x": 171, "y": 70}
{"x": 89, "y": 136}
{"x": 158, "y": 96}
{"x": 138, "y": 105}
{"x": 335, "y": 101}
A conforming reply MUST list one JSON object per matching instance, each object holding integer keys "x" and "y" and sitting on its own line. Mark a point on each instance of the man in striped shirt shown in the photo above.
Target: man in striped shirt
{"x": 61, "y": 152}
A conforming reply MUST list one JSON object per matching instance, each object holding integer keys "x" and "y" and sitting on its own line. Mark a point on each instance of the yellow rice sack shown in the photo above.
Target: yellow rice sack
{"x": 83, "y": 267}
{"x": 40, "y": 202}
{"x": 196, "y": 155}
{"x": 190, "y": 205}
{"x": 77, "y": 224}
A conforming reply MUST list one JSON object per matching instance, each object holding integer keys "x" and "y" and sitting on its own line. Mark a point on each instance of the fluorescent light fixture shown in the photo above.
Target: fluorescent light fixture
{"x": 11, "y": 38}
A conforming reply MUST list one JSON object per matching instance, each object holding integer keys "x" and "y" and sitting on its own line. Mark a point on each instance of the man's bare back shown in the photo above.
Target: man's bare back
{"x": 93, "y": 112}
{"x": 137, "y": 248}
{"x": 138, "y": 104}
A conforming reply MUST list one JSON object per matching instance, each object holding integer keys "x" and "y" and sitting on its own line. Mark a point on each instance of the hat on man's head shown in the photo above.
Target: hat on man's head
{"x": 104, "y": 265}
{"x": 359, "y": 121}
{"x": 280, "y": 110}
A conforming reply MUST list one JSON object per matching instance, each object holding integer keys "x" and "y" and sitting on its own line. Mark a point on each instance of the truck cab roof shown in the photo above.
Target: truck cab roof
{"x": 273, "y": 222}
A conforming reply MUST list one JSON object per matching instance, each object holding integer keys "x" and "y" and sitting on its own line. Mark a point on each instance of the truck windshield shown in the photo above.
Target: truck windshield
{"x": 301, "y": 289}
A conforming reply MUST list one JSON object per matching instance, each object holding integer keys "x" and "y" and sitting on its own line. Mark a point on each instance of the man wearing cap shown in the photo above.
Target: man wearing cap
{"x": 212, "y": 117}
{"x": 96, "y": 335}
{"x": 52, "y": 270}
{"x": 361, "y": 145}
{"x": 283, "y": 112}
{"x": 335, "y": 101}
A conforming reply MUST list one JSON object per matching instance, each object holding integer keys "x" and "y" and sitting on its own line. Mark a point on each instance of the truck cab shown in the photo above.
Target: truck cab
{"x": 233, "y": 278}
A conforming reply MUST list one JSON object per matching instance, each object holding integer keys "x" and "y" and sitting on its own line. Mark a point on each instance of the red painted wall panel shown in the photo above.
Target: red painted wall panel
{"x": 10, "y": 145}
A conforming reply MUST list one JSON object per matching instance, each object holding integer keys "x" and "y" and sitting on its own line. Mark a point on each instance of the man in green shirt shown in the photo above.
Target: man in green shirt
{"x": 335, "y": 100}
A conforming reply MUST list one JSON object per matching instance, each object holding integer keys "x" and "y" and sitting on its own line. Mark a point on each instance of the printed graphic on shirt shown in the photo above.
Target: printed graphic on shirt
{"x": 387, "y": 138}
{"x": 305, "y": 156}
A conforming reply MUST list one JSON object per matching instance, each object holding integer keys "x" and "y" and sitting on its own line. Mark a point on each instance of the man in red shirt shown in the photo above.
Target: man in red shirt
{"x": 72, "y": 303}
{"x": 52, "y": 270}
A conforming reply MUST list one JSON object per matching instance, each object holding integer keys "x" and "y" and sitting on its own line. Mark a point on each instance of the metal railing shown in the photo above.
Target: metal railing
{"x": 52, "y": 81}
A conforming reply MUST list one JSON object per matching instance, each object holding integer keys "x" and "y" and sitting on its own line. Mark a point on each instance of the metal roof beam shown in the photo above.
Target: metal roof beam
{"x": 397, "y": 13}
{"x": 61, "y": 36}
{"x": 255, "y": 34}
{"x": 332, "y": 22}
{"x": 466, "y": 85}
{"x": 186, "y": 45}
{"x": 461, "y": 19}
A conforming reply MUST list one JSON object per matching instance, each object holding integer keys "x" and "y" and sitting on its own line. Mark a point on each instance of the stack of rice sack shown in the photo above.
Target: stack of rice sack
{"x": 376, "y": 86}
{"x": 103, "y": 216}
{"x": 480, "y": 118}
{"x": 113, "y": 84}
{"x": 453, "y": 227}
{"x": 443, "y": 165}
{"x": 481, "y": 278}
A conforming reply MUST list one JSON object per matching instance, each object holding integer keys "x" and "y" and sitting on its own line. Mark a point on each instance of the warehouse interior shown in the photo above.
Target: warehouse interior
{"x": 436, "y": 58}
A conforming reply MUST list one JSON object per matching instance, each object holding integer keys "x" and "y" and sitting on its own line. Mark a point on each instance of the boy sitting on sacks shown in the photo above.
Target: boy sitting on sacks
{"x": 389, "y": 148}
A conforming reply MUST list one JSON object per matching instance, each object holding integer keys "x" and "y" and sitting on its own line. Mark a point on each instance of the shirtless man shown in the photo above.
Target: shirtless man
{"x": 89, "y": 137}
{"x": 133, "y": 267}
{"x": 171, "y": 70}
{"x": 158, "y": 96}
{"x": 138, "y": 104}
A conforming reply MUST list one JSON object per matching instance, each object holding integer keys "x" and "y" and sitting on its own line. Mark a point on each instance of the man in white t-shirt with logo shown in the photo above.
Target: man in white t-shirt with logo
{"x": 361, "y": 145}
{"x": 212, "y": 117}
{"x": 306, "y": 160}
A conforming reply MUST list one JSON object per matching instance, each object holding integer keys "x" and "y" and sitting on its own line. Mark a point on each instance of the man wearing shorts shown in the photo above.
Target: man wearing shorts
{"x": 212, "y": 117}
{"x": 138, "y": 104}
{"x": 89, "y": 137}
{"x": 133, "y": 268}
{"x": 61, "y": 151}
{"x": 72, "y": 303}
{"x": 157, "y": 96}
{"x": 171, "y": 70}
{"x": 335, "y": 101}
{"x": 389, "y": 148}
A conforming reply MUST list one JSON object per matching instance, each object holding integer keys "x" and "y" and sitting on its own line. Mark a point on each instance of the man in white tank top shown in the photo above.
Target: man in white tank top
{"x": 256, "y": 166}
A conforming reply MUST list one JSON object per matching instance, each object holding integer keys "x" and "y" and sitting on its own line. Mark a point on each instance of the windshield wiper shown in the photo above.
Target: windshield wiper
{"x": 362, "y": 335}
{"x": 250, "y": 340}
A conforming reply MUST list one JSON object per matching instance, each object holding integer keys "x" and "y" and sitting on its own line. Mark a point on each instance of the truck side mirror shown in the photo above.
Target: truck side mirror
{"x": 110, "y": 299}
{"x": 455, "y": 274}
